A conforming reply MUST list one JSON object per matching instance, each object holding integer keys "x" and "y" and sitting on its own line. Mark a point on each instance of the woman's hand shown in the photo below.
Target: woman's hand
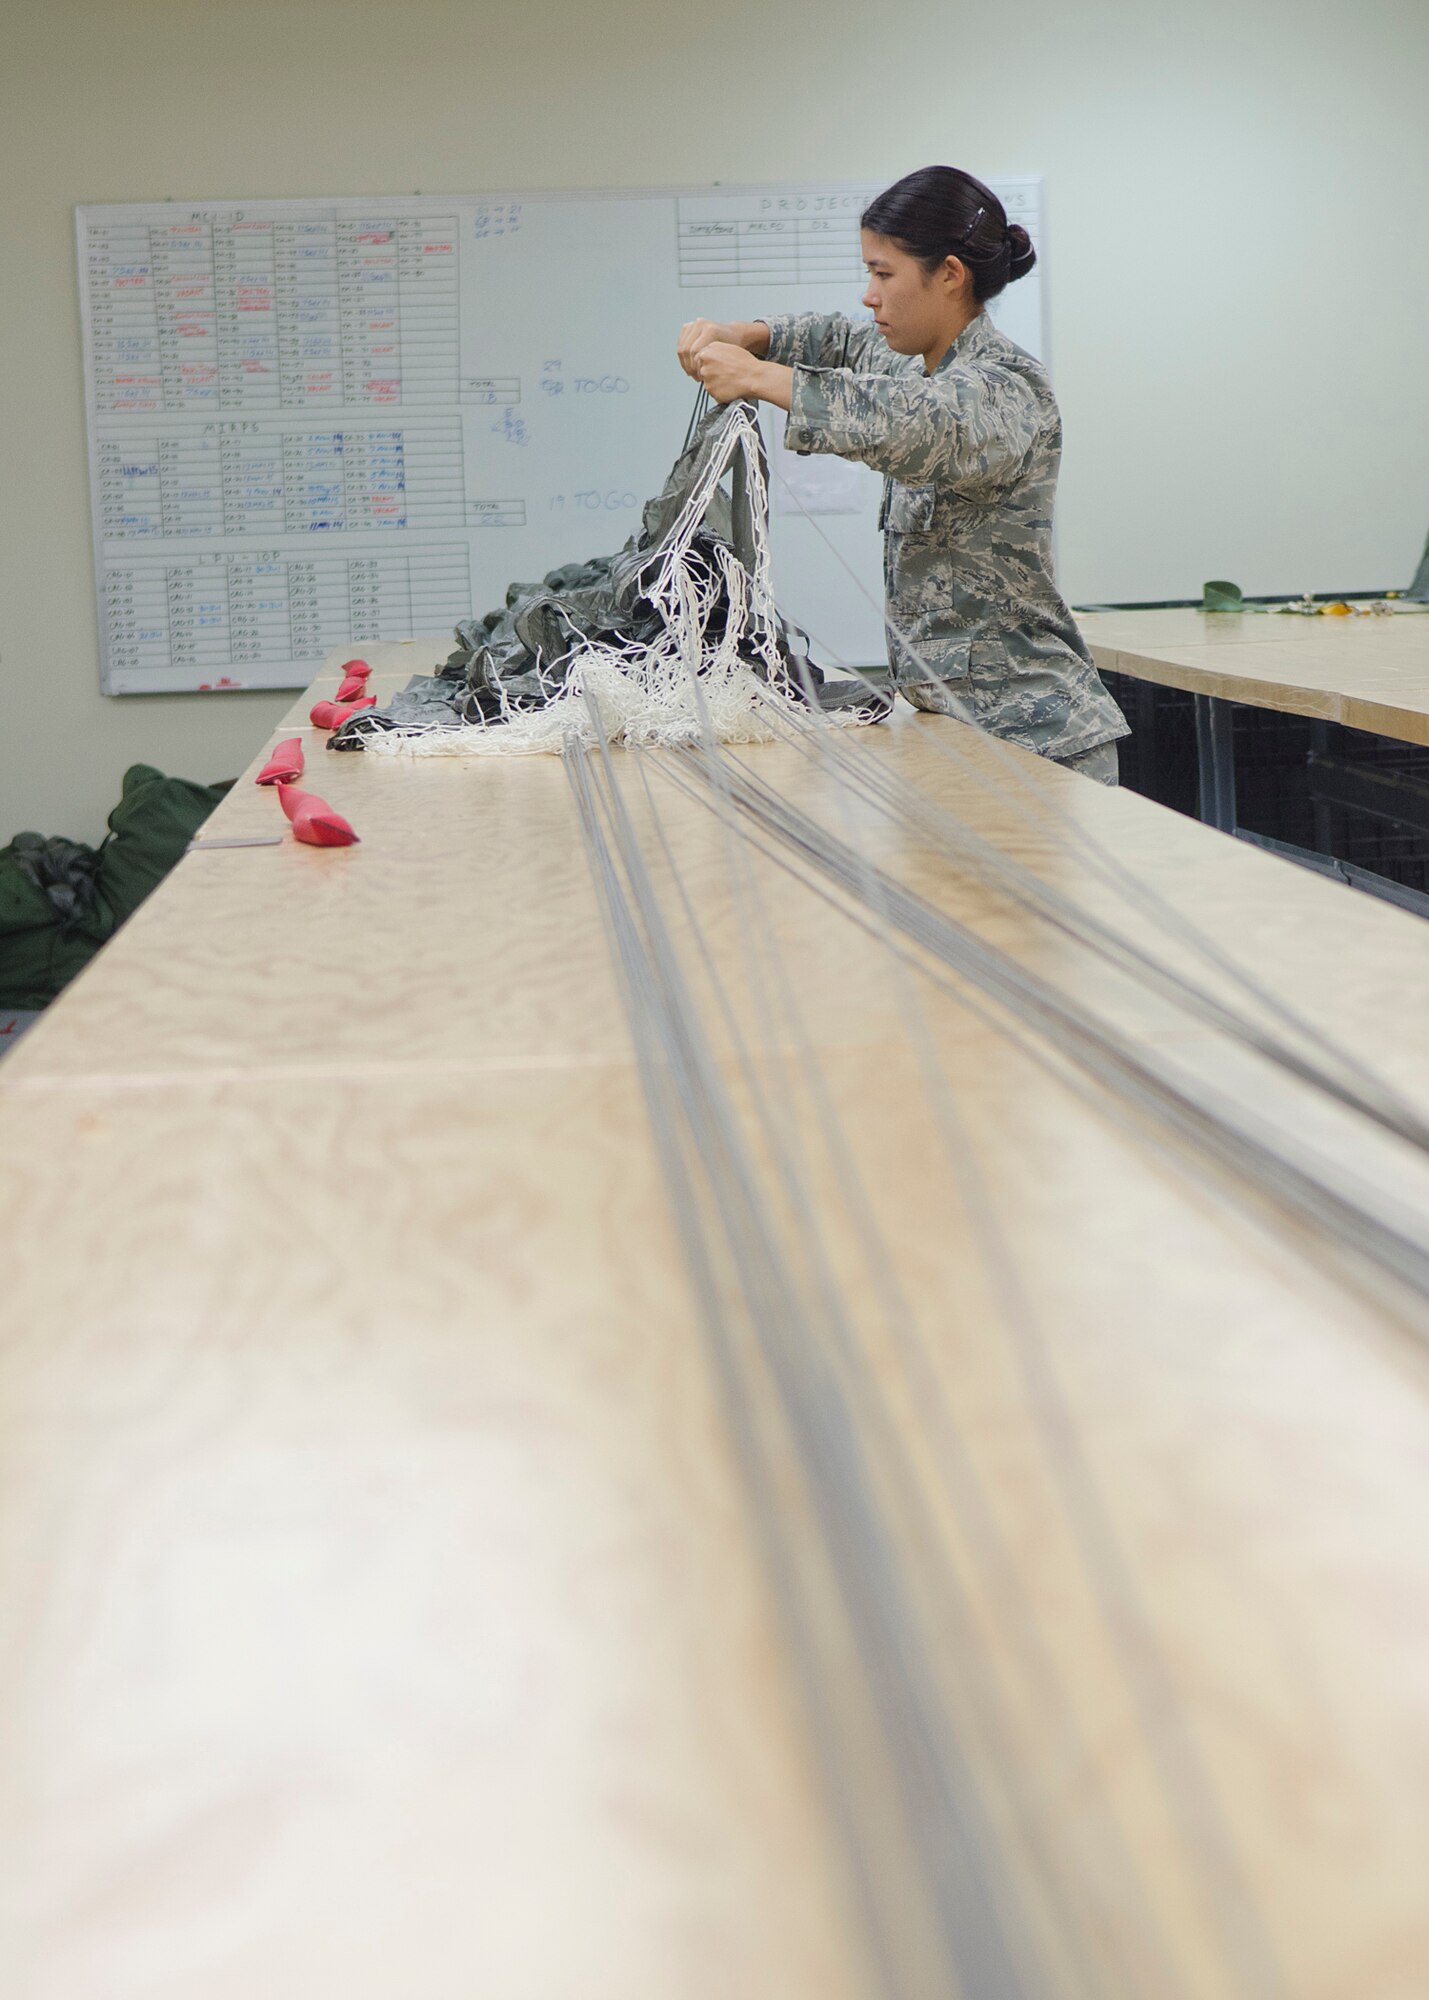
{"x": 751, "y": 335}
{"x": 728, "y": 359}
{"x": 695, "y": 338}
{"x": 729, "y": 372}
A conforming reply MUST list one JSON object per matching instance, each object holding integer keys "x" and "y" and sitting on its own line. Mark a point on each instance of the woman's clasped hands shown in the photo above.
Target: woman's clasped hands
{"x": 715, "y": 355}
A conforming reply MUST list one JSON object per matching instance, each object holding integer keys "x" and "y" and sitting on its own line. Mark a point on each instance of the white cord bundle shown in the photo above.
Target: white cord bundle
{"x": 678, "y": 689}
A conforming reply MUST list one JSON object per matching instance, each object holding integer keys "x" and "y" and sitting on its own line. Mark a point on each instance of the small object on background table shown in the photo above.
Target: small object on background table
{"x": 332, "y": 715}
{"x": 352, "y": 687}
{"x": 285, "y": 764}
{"x": 1418, "y": 591}
{"x": 1219, "y": 595}
{"x": 313, "y": 819}
{"x": 1335, "y": 607}
{"x": 357, "y": 669}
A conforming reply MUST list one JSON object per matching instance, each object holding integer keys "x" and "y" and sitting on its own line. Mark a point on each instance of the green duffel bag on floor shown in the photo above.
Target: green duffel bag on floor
{"x": 148, "y": 831}
{"x": 60, "y": 900}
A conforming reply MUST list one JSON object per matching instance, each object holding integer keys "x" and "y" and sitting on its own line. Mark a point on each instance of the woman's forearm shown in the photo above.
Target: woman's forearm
{"x": 776, "y": 384}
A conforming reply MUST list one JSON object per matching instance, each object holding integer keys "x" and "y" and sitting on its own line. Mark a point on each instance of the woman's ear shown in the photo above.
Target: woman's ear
{"x": 954, "y": 274}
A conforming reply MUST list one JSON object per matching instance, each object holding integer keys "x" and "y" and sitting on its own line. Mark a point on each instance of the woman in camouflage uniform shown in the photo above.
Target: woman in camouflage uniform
{"x": 964, "y": 426}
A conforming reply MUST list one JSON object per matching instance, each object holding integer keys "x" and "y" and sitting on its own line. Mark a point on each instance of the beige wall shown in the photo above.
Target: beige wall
{"x": 1238, "y": 281}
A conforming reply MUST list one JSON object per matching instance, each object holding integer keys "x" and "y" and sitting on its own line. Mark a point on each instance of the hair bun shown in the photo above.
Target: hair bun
{"x": 1023, "y": 256}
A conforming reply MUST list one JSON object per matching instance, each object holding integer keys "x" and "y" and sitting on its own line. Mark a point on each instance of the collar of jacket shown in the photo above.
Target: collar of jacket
{"x": 969, "y": 341}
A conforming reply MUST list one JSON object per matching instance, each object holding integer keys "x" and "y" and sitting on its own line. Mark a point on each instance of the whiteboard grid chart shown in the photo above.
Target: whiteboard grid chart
{"x": 323, "y": 423}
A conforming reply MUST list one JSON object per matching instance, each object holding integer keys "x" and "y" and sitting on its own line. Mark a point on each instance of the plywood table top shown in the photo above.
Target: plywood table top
{"x": 1365, "y": 672}
{"x": 462, "y": 932}
{"x": 383, "y": 1608}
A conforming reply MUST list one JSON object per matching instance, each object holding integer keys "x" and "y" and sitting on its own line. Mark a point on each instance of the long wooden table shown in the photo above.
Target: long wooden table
{"x": 1365, "y": 672}
{"x": 381, "y": 1609}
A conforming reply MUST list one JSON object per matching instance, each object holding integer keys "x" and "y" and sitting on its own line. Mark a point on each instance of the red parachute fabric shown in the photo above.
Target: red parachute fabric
{"x": 354, "y": 679}
{"x": 332, "y": 715}
{"x": 285, "y": 764}
{"x": 314, "y": 820}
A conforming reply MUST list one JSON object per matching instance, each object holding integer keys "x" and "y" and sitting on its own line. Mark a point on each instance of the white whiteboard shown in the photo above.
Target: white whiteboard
{"x": 323, "y": 423}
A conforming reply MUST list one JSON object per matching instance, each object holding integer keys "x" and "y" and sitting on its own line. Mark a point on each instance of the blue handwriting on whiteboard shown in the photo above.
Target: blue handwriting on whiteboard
{"x": 512, "y": 428}
{"x": 592, "y": 501}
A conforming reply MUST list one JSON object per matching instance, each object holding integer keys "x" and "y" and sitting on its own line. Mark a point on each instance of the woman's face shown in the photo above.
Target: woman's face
{"x": 910, "y": 308}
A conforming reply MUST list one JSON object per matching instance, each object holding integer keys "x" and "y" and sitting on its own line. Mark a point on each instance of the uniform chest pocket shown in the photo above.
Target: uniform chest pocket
{"x": 906, "y": 510}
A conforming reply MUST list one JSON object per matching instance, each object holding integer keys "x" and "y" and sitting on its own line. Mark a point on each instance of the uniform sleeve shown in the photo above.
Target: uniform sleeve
{"x": 827, "y": 340}
{"x": 971, "y": 430}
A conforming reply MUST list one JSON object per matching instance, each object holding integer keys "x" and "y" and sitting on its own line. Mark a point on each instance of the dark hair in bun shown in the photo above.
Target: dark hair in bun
{"x": 942, "y": 212}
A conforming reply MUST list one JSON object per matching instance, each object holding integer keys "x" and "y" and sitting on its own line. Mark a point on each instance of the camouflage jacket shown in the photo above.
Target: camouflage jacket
{"x": 970, "y": 456}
